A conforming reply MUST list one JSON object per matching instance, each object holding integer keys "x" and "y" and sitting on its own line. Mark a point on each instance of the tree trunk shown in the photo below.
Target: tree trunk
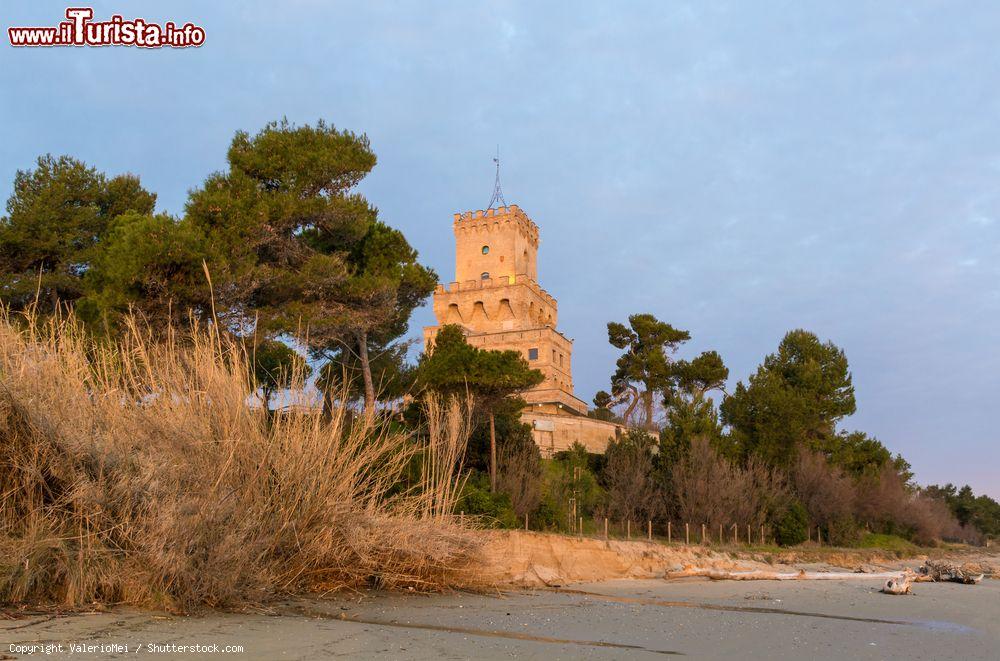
{"x": 366, "y": 372}
{"x": 266, "y": 394}
{"x": 493, "y": 455}
{"x": 327, "y": 404}
{"x": 647, "y": 405}
{"x": 631, "y": 406}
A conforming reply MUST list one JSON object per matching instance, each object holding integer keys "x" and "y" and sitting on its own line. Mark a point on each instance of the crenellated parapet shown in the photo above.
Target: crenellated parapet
{"x": 496, "y": 220}
{"x": 502, "y": 281}
{"x": 484, "y": 306}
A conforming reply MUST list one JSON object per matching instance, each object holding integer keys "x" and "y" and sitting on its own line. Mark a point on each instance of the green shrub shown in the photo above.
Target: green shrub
{"x": 560, "y": 483}
{"x": 793, "y": 526}
{"x": 843, "y": 531}
{"x": 495, "y": 509}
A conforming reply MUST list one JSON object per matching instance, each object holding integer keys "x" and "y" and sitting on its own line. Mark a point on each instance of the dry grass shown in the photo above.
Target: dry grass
{"x": 135, "y": 471}
{"x": 449, "y": 425}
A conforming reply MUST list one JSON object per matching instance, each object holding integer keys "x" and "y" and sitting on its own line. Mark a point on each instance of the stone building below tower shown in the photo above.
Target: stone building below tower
{"x": 498, "y": 302}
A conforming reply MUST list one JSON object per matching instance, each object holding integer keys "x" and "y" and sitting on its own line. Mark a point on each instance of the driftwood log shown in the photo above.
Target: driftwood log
{"x": 942, "y": 570}
{"x": 896, "y": 582}
{"x": 898, "y": 585}
{"x": 761, "y": 575}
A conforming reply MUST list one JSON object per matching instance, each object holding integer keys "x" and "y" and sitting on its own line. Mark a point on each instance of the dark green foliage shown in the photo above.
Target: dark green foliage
{"x": 688, "y": 419}
{"x": 495, "y": 508}
{"x": 705, "y": 373}
{"x": 843, "y": 531}
{"x": 152, "y": 265}
{"x": 509, "y": 429}
{"x": 792, "y": 527}
{"x": 454, "y": 367}
{"x": 56, "y": 219}
{"x": 855, "y": 452}
{"x": 450, "y": 367}
{"x": 794, "y": 399}
{"x": 547, "y": 516}
{"x": 570, "y": 474}
{"x": 690, "y": 414}
{"x": 602, "y": 407}
{"x": 578, "y": 456}
{"x": 281, "y": 223}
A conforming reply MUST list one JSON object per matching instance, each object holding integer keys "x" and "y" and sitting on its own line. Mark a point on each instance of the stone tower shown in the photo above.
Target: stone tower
{"x": 496, "y": 298}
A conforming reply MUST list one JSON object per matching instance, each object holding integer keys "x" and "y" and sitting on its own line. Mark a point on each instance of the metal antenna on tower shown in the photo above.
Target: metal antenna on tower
{"x": 497, "y": 191}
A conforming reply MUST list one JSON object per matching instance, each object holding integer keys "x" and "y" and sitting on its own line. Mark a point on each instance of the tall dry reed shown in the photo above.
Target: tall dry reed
{"x": 449, "y": 425}
{"x": 137, "y": 471}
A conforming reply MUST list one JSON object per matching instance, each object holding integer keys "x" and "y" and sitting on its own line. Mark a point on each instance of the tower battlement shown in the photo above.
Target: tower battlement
{"x": 491, "y": 219}
{"x": 490, "y": 283}
{"x": 495, "y": 243}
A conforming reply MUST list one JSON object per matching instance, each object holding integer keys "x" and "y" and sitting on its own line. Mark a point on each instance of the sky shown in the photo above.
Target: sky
{"x": 736, "y": 169}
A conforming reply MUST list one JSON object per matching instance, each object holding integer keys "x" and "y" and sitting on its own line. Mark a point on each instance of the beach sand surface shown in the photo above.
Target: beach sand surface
{"x": 634, "y": 619}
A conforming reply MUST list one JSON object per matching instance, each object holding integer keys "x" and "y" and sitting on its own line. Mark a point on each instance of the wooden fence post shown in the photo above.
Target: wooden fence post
{"x": 762, "y": 534}
{"x": 581, "y": 526}
{"x": 605, "y": 527}
{"x": 748, "y": 534}
{"x": 628, "y": 529}
{"x": 525, "y": 520}
{"x": 687, "y": 534}
{"x": 649, "y": 530}
{"x": 721, "y": 540}
{"x": 703, "y": 534}
{"x": 669, "y": 531}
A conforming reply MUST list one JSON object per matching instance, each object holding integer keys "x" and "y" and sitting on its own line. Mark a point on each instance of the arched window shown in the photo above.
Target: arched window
{"x": 484, "y": 275}
{"x": 486, "y": 250}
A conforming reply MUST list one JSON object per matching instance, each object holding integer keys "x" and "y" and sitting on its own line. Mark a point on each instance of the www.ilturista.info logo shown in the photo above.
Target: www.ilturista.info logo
{"x": 79, "y": 30}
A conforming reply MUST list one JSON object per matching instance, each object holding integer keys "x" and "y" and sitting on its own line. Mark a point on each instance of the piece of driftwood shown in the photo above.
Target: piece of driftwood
{"x": 898, "y": 585}
{"x": 761, "y": 575}
{"x": 942, "y": 570}
{"x": 896, "y": 582}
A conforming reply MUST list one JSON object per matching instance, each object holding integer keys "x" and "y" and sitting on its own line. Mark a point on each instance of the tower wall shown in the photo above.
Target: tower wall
{"x": 511, "y": 240}
{"x": 498, "y": 302}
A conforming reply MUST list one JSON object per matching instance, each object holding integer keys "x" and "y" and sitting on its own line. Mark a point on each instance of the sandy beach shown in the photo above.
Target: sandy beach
{"x": 617, "y": 619}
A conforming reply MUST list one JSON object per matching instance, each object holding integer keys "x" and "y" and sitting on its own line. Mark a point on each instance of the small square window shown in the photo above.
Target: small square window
{"x": 532, "y": 354}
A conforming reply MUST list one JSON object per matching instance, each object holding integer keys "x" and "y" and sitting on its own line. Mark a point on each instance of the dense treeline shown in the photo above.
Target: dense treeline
{"x": 281, "y": 252}
{"x": 770, "y": 454}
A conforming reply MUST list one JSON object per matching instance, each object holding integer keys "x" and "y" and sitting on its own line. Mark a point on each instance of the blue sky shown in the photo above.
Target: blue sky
{"x": 737, "y": 169}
